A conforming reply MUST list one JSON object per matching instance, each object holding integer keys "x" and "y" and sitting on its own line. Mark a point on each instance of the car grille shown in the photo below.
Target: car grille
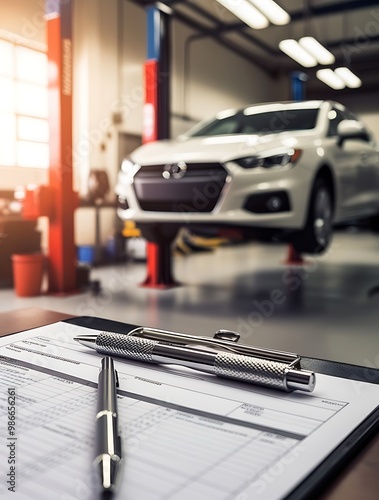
{"x": 197, "y": 191}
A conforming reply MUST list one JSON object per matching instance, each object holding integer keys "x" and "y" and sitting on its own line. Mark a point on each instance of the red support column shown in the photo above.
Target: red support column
{"x": 294, "y": 258}
{"x": 150, "y": 109}
{"x": 159, "y": 274}
{"x": 156, "y": 126}
{"x": 62, "y": 256}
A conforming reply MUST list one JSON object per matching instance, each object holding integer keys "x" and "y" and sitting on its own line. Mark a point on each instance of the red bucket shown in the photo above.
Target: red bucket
{"x": 28, "y": 273}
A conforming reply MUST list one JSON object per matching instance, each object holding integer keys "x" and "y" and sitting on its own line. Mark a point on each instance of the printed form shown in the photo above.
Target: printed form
{"x": 185, "y": 434}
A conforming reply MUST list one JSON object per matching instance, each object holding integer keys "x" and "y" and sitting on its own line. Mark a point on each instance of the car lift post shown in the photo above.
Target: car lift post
{"x": 294, "y": 258}
{"x": 62, "y": 258}
{"x": 298, "y": 81}
{"x": 156, "y": 125}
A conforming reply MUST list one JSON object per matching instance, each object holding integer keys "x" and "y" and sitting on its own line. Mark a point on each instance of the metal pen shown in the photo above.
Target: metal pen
{"x": 108, "y": 440}
{"x": 220, "y": 356}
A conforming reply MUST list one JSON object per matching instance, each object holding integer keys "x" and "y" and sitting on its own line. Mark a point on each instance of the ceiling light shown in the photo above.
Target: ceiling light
{"x": 164, "y": 8}
{"x": 317, "y": 50}
{"x": 300, "y": 55}
{"x": 330, "y": 78}
{"x": 246, "y": 12}
{"x": 351, "y": 80}
{"x": 272, "y": 11}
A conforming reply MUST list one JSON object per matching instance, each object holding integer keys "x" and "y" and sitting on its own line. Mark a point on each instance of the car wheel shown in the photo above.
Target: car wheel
{"x": 316, "y": 236}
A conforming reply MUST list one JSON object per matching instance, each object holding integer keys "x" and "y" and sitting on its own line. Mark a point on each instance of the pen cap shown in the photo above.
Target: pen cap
{"x": 302, "y": 380}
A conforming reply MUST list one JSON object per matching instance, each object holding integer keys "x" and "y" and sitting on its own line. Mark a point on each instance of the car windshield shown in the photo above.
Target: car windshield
{"x": 269, "y": 122}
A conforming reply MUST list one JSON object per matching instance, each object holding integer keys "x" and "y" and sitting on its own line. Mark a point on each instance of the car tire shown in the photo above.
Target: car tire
{"x": 316, "y": 236}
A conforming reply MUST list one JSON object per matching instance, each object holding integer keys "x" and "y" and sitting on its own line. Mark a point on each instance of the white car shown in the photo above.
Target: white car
{"x": 289, "y": 170}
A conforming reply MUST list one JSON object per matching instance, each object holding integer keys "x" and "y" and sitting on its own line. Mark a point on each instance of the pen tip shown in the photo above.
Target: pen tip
{"x": 87, "y": 340}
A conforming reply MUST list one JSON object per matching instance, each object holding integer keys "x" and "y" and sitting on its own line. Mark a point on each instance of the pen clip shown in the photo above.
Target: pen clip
{"x": 223, "y": 340}
{"x": 228, "y": 335}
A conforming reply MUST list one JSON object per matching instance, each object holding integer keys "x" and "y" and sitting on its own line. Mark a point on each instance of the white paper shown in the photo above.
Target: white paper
{"x": 186, "y": 435}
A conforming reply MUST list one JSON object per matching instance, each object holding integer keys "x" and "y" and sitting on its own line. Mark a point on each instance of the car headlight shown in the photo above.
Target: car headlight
{"x": 272, "y": 161}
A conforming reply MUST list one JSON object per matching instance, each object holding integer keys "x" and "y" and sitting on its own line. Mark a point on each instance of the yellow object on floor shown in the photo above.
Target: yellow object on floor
{"x": 130, "y": 230}
{"x": 187, "y": 242}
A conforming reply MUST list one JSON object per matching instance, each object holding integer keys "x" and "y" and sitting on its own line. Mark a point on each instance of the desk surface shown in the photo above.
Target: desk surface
{"x": 360, "y": 479}
{"x": 25, "y": 319}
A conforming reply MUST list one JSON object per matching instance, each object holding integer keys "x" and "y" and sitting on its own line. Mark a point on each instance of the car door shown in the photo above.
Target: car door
{"x": 368, "y": 170}
{"x": 346, "y": 160}
{"x": 367, "y": 181}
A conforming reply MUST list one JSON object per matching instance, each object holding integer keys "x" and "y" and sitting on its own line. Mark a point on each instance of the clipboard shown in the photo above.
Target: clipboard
{"x": 318, "y": 479}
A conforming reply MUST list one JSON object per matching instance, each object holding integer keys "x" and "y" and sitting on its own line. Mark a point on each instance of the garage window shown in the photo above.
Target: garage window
{"x": 24, "y": 130}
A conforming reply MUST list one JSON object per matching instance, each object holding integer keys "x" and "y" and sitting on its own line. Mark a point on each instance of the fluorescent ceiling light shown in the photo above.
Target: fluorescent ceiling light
{"x": 246, "y": 12}
{"x": 317, "y": 50}
{"x": 351, "y": 80}
{"x": 272, "y": 11}
{"x": 298, "y": 54}
{"x": 330, "y": 78}
{"x": 164, "y": 8}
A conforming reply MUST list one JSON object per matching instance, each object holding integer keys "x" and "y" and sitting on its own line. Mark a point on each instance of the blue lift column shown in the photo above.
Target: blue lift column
{"x": 298, "y": 81}
{"x": 156, "y": 125}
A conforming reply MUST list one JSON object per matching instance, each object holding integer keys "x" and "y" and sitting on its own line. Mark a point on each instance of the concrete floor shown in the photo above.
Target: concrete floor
{"x": 326, "y": 308}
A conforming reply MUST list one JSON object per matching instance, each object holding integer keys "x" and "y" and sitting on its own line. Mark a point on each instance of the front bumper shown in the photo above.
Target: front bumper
{"x": 219, "y": 200}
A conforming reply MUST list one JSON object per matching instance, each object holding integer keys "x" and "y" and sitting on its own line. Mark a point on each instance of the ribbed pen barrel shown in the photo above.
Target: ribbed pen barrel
{"x": 251, "y": 369}
{"x": 263, "y": 372}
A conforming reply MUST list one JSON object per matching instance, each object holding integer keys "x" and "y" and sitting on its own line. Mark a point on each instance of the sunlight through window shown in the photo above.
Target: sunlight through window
{"x": 6, "y": 58}
{"x": 24, "y": 129}
{"x": 7, "y": 94}
{"x": 31, "y": 100}
{"x": 7, "y": 139}
{"x": 32, "y": 154}
{"x": 31, "y": 66}
{"x": 32, "y": 129}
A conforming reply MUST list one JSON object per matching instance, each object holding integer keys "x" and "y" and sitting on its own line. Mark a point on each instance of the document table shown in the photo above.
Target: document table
{"x": 358, "y": 479}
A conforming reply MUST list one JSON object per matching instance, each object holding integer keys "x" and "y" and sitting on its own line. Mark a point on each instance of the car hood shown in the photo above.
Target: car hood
{"x": 218, "y": 148}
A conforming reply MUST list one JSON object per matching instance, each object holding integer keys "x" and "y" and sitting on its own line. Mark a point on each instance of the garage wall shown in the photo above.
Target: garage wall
{"x": 217, "y": 78}
{"x": 366, "y": 106}
{"x": 132, "y": 56}
{"x": 23, "y": 18}
{"x": 95, "y": 94}
{"x": 96, "y": 88}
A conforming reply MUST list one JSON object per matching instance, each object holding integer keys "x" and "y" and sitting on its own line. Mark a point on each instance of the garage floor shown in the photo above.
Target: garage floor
{"x": 327, "y": 308}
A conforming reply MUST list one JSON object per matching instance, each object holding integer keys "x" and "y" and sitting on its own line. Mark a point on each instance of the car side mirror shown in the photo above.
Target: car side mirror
{"x": 351, "y": 129}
